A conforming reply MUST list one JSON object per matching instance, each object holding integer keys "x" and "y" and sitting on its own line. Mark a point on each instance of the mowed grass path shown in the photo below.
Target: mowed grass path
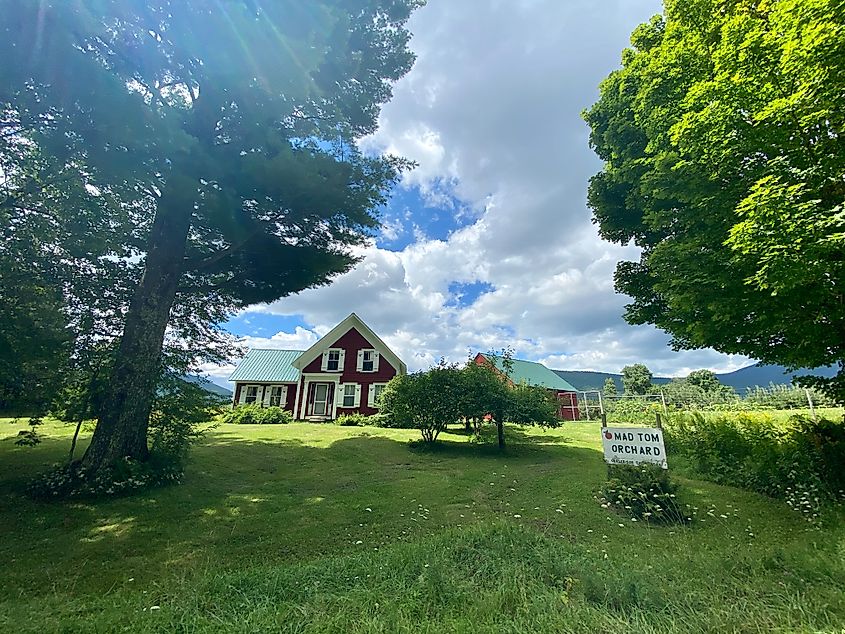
{"x": 318, "y": 528}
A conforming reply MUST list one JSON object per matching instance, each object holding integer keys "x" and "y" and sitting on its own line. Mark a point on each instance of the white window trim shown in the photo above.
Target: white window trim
{"x": 324, "y": 366}
{"x": 259, "y": 394}
{"x": 268, "y": 395}
{"x": 371, "y": 394}
{"x": 347, "y": 396}
{"x": 375, "y": 360}
{"x": 341, "y": 393}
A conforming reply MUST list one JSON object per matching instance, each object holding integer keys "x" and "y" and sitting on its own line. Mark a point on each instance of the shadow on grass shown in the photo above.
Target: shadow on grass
{"x": 246, "y": 500}
{"x": 518, "y": 443}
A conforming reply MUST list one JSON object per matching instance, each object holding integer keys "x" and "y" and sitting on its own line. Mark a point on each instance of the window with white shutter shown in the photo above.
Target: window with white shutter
{"x": 373, "y": 393}
{"x": 251, "y": 394}
{"x": 277, "y": 396}
{"x": 367, "y": 361}
{"x": 349, "y": 390}
{"x": 333, "y": 361}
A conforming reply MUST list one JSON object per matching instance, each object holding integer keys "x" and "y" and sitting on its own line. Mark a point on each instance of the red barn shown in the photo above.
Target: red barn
{"x": 533, "y": 373}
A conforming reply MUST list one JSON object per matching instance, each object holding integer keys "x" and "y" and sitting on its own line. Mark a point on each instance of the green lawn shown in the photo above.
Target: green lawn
{"x": 318, "y": 528}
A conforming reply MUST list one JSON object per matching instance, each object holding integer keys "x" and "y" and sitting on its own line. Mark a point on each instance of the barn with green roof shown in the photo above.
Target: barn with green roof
{"x": 534, "y": 373}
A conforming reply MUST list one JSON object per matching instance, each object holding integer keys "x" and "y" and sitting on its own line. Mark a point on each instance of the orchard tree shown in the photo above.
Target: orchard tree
{"x": 429, "y": 400}
{"x": 722, "y": 142}
{"x": 483, "y": 392}
{"x": 636, "y": 379}
{"x": 705, "y": 379}
{"x": 235, "y": 123}
{"x": 532, "y": 405}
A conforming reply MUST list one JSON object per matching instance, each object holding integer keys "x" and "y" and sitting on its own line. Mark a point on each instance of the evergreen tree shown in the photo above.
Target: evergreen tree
{"x": 235, "y": 125}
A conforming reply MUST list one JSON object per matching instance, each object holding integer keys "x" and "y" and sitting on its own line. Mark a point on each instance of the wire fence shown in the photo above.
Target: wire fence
{"x": 594, "y": 404}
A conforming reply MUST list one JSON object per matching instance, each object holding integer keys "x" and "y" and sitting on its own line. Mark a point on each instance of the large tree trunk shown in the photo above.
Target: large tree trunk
{"x": 122, "y": 428}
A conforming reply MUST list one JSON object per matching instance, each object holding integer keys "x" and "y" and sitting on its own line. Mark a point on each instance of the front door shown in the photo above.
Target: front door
{"x": 321, "y": 399}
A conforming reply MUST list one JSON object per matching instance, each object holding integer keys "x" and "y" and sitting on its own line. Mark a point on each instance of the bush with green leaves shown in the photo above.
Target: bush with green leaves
{"x": 428, "y": 401}
{"x": 632, "y": 410}
{"x": 123, "y": 477}
{"x": 644, "y": 493}
{"x": 355, "y": 419}
{"x": 383, "y": 419}
{"x": 532, "y": 405}
{"x": 181, "y": 412}
{"x": 800, "y": 461}
{"x": 256, "y": 415}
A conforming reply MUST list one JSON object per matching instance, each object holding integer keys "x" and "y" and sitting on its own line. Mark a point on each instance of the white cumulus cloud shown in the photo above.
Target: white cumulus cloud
{"x": 491, "y": 114}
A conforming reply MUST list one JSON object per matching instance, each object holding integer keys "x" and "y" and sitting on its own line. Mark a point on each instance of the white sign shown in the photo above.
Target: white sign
{"x": 633, "y": 445}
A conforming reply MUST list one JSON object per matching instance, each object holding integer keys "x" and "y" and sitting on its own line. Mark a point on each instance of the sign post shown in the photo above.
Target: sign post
{"x": 633, "y": 446}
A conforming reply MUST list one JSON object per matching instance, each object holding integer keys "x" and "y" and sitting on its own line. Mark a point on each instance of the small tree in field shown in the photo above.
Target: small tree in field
{"x": 483, "y": 392}
{"x": 429, "y": 400}
{"x": 532, "y": 405}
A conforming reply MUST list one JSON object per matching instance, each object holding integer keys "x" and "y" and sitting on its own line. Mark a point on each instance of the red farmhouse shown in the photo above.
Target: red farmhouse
{"x": 342, "y": 373}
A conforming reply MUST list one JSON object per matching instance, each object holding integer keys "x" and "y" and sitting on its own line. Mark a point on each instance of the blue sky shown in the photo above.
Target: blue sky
{"x": 488, "y": 242}
{"x": 413, "y": 214}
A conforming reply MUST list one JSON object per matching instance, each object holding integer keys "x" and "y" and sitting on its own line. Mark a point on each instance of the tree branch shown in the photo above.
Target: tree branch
{"x": 198, "y": 264}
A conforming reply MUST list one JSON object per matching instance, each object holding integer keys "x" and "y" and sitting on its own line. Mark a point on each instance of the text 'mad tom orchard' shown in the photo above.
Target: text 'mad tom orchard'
{"x": 633, "y": 446}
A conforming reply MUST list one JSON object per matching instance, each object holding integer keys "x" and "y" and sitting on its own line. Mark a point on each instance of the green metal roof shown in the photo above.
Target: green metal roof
{"x": 532, "y": 373}
{"x": 272, "y": 366}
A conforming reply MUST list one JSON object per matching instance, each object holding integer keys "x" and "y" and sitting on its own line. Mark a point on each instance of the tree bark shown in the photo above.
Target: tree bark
{"x": 500, "y": 429}
{"x": 122, "y": 427}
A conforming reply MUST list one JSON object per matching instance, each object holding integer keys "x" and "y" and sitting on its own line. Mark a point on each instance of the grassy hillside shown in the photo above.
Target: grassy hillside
{"x": 317, "y": 528}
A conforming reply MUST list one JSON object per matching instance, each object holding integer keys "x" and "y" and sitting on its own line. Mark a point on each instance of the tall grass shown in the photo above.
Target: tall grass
{"x": 800, "y": 460}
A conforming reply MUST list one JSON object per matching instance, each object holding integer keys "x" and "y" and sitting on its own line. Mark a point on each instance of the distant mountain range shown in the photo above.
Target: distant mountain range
{"x": 740, "y": 380}
{"x": 203, "y": 382}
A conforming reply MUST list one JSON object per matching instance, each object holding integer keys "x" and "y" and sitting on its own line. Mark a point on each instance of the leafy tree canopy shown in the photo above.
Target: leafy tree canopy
{"x": 636, "y": 379}
{"x": 722, "y": 138}
{"x": 705, "y": 379}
